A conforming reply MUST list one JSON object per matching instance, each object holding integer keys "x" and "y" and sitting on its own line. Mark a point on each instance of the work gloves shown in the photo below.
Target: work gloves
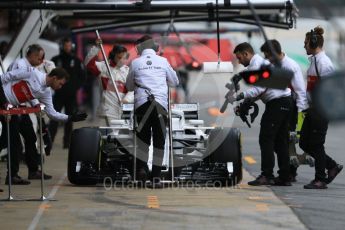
{"x": 75, "y": 117}
{"x": 300, "y": 120}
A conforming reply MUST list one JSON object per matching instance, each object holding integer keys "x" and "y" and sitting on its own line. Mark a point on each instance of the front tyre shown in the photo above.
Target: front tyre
{"x": 83, "y": 156}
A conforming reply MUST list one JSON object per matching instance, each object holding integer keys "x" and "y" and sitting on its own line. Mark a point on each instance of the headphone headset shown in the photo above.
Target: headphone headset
{"x": 146, "y": 42}
{"x": 313, "y": 42}
{"x": 155, "y": 47}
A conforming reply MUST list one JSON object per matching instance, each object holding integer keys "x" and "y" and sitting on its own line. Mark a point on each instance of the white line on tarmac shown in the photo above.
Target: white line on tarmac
{"x": 40, "y": 211}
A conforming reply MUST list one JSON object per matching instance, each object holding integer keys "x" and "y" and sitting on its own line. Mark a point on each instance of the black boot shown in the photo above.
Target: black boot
{"x": 17, "y": 180}
{"x": 261, "y": 180}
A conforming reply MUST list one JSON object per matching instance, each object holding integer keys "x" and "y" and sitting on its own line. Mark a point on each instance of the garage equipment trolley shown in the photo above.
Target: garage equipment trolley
{"x": 7, "y": 113}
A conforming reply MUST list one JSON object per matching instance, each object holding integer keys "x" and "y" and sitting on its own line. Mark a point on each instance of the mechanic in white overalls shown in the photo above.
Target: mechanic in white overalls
{"x": 34, "y": 58}
{"x": 297, "y": 86}
{"x": 23, "y": 85}
{"x": 110, "y": 107}
{"x": 150, "y": 76}
{"x": 314, "y": 128}
{"x": 274, "y": 122}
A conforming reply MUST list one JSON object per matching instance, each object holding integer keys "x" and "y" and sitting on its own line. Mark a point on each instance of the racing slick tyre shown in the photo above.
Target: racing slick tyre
{"x": 83, "y": 156}
{"x": 224, "y": 145}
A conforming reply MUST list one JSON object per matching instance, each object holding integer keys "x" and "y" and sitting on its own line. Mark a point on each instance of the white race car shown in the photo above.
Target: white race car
{"x": 200, "y": 154}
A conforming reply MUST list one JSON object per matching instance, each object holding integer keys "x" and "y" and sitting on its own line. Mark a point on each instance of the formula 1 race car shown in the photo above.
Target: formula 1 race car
{"x": 199, "y": 154}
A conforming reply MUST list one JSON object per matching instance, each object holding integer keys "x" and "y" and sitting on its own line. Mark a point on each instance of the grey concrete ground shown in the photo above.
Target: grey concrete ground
{"x": 100, "y": 207}
{"x": 317, "y": 209}
{"x": 243, "y": 207}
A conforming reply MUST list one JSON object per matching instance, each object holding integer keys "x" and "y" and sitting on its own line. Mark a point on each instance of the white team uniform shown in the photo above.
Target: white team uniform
{"x": 324, "y": 67}
{"x": 151, "y": 74}
{"x": 297, "y": 82}
{"x": 26, "y": 84}
{"x": 110, "y": 106}
{"x": 46, "y": 66}
{"x": 265, "y": 94}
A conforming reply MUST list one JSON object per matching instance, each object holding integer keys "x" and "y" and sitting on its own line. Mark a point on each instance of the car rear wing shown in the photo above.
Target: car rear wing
{"x": 190, "y": 110}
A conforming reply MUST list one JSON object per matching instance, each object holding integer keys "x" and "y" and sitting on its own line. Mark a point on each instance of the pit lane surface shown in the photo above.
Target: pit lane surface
{"x": 110, "y": 207}
{"x": 317, "y": 209}
{"x": 242, "y": 207}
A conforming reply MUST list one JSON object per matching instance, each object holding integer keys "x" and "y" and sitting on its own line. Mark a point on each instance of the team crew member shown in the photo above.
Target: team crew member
{"x": 149, "y": 77}
{"x": 34, "y": 58}
{"x": 314, "y": 128}
{"x": 274, "y": 122}
{"x": 66, "y": 97}
{"x": 22, "y": 85}
{"x": 110, "y": 107}
{"x": 297, "y": 86}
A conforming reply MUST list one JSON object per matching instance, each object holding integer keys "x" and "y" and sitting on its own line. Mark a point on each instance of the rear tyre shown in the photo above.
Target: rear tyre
{"x": 83, "y": 156}
{"x": 224, "y": 145}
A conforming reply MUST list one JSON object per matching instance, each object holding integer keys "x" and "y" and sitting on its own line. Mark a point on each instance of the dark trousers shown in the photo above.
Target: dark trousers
{"x": 273, "y": 137}
{"x": 313, "y": 136}
{"x": 25, "y": 128}
{"x": 292, "y": 127}
{"x": 3, "y": 99}
{"x": 70, "y": 105}
{"x": 27, "y": 131}
{"x": 151, "y": 121}
{"x": 15, "y": 142}
{"x": 23, "y": 125}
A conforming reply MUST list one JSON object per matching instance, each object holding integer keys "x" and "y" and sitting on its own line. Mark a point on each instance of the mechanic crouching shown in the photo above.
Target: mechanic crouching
{"x": 149, "y": 77}
{"x": 274, "y": 122}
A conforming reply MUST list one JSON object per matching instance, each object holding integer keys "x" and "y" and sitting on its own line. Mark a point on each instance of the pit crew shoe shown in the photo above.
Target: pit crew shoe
{"x": 37, "y": 175}
{"x": 141, "y": 177}
{"x": 280, "y": 182}
{"x": 316, "y": 184}
{"x": 261, "y": 180}
{"x": 142, "y": 174}
{"x": 332, "y": 173}
{"x": 17, "y": 180}
{"x": 292, "y": 178}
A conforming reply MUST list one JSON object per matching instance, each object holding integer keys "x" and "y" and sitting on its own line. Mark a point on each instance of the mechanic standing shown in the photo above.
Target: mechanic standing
{"x": 274, "y": 122}
{"x": 297, "y": 86}
{"x": 314, "y": 128}
{"x": 150, "y": 76}
{"x": 34, "y": 58}
{"x": 66, "y": 97}
{"x": 110, "y": 107}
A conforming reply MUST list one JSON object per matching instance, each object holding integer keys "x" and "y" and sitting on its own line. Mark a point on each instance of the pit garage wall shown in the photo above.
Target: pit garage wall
{"x": 202, "y": 49}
